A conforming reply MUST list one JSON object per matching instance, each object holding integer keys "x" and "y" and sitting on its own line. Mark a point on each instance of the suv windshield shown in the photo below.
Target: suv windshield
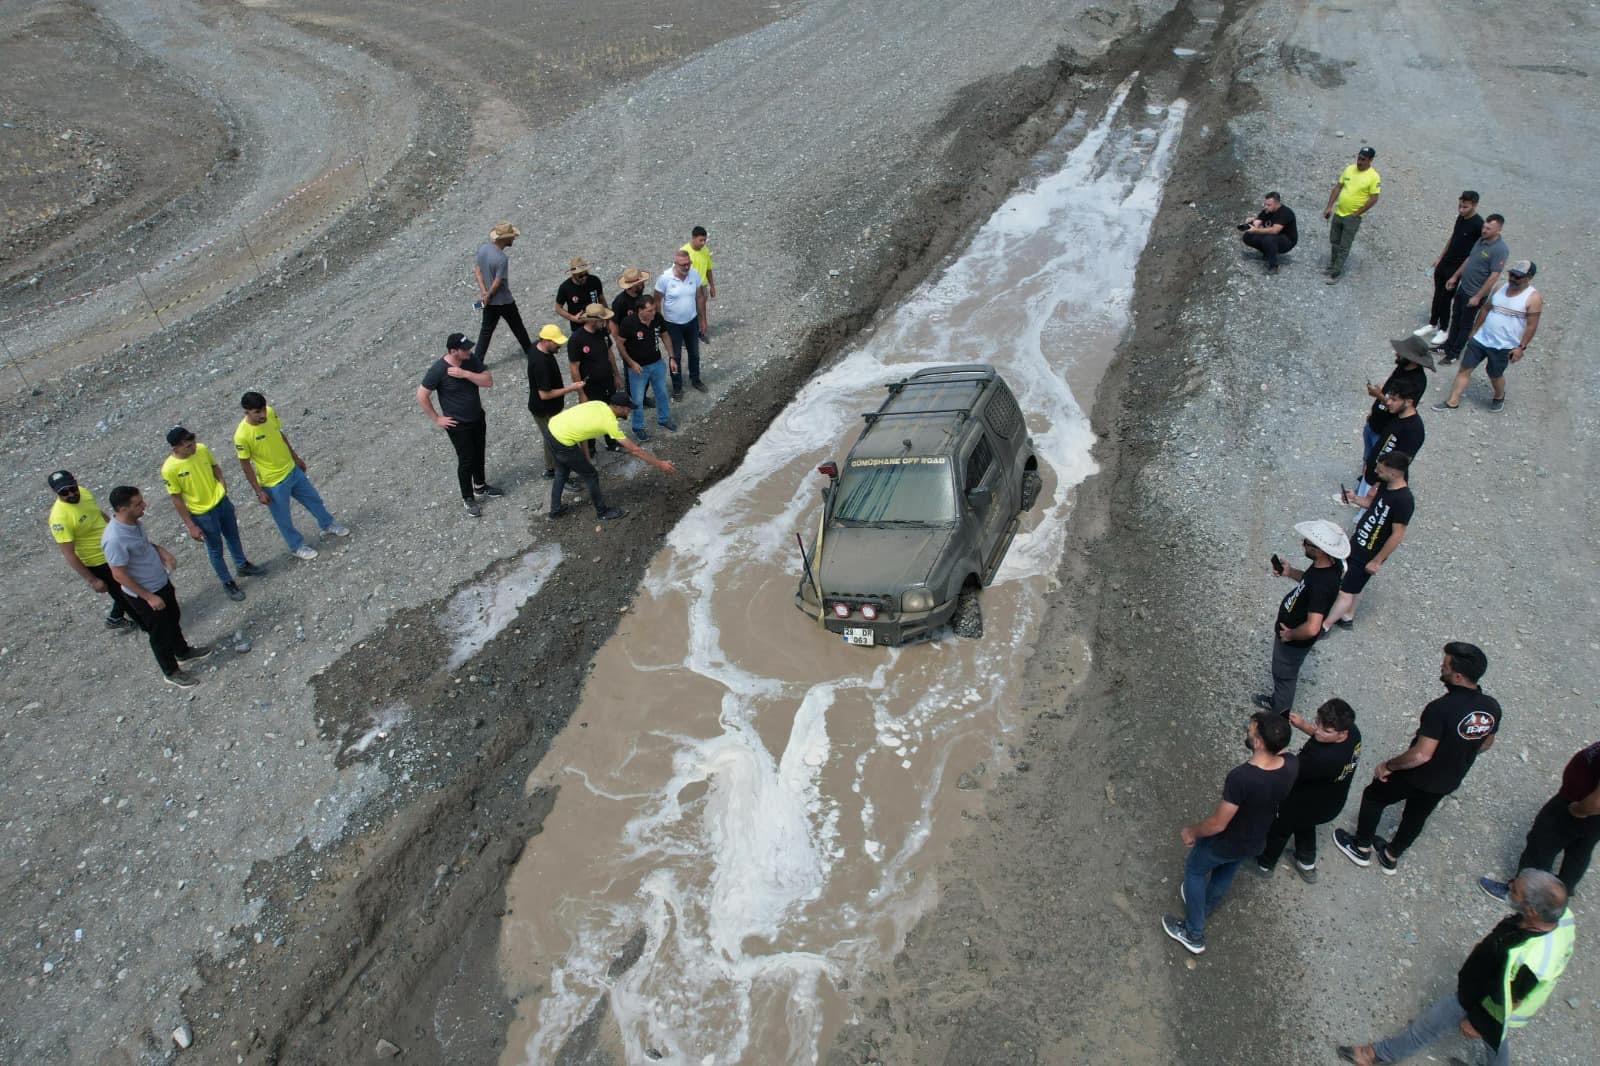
{"x": 914, "y": 489}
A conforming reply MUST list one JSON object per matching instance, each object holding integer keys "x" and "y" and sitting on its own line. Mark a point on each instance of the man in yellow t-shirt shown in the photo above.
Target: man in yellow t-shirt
{"x": 76, "y": 523}
{"x": 584, "y": 422}
{"x": 700, "y": 260}
{"x": 278, "y": 474}
{"x": 1353, "y": 195}
{"x": 194, "y": 481}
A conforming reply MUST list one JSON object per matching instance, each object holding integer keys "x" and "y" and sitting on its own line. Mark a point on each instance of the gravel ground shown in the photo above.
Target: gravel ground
{"x": 835, "y": 156}
{"x": 1235, "y": 412}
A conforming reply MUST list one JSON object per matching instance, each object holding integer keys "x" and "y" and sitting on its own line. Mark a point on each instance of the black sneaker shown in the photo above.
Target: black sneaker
{"x": 550, "y": 475}
{"x": 1308, "y": 874}
{"x": 640, "y": 435}
{"x": 1345, "y": 623}
{"x": 558, "y": 512}
{"x": 1380, "y": 848}
{"x": 250, "y": 570}
{"x": 1263, "y": 700}
{"x": 472, "y": 508}
{"x": 1446, "y": 361}
{"x": 677, "y": 392}
{"x": 1177, "y": 930}
{"x": 611, "y": 514}
{"x": 649, "y": 401}
{"x": 698, "y": 386}
{"x": 119, "y": 622}
{"x": 612, "y": 445}
{"x": 486, "y": 490}
{"x": 194, "y": 655}
{"x": 1261, "y": 869}
{"x": 182, "y": 679}
{"x": 1347, "y": 844}
{"x": 235, "y": 593}
{"x": 1496, "y": 890}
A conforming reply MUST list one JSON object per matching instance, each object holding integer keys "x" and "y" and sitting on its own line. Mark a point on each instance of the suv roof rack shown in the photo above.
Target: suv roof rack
{"x": 873, "y": 416}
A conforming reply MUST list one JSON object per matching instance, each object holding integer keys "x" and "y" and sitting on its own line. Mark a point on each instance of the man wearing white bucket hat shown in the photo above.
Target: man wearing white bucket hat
{"x": 1301, "y": 614}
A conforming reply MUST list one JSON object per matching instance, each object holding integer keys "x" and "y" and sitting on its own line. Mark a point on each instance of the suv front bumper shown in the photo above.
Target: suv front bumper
{"x": 891, "y": 628}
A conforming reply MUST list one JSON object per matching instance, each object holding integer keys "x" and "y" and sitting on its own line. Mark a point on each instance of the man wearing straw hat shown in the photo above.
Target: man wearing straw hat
{"x": 1412, "y": 361}
{"x": 1302, "y": 611}
{"x": 630, "y": 288}
{"x": 492, "y": 270}
{"x": 574, "y": 295}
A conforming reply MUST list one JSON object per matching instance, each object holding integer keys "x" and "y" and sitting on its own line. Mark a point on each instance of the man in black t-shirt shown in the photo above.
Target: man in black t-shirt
{"x": 1327, "y": 766}
{"x": 547, "y": 393}
{"x": 641, "y": 351}
{"x": 457, "y": 378}
{"x": 1378, "y": 532}
{"x": 1403, "y": 432}
{"x": 1235, "y": 829}
{"x": 1301, "y": 614}
{"x": 574, "y": 296}
{"x": 1272, "y": 231}
{"x": 1455, "y": 729}
{"x": 589, "y": 360}
{"x": 1523, "y": 956}
{"x": 1464, "y": 233}
{"x": 1411, "y": 356}
{"x": 630, "y": 289}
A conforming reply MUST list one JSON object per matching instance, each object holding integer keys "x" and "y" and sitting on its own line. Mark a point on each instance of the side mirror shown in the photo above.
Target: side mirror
{"x": 980, "y": 497}
{"x": 829, "y": 470}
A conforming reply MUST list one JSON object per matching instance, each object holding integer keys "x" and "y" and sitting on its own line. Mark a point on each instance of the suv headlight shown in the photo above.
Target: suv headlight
{"x": 917, "y": 599}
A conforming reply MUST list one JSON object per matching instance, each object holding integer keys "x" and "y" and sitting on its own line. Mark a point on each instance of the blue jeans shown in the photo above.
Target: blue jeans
{"x": 1440, "y": 1019}
{"x": 1206, "y": 877}
{"x": 655, "y": 376}
{"x": 219, "y": 524}
{"x": 1369, "y": 441}
{"x": 685, "y": 335}
{"x": 295, "y": 487}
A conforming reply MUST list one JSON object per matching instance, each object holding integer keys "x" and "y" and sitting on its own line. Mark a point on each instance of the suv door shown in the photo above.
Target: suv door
{"x": 982, "y": 468}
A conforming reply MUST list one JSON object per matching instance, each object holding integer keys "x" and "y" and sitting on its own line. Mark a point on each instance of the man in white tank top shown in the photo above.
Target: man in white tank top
{"x": 1501, "y": 335}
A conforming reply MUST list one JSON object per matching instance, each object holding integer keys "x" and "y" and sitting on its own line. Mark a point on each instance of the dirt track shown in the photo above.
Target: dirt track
{"x": 230, "y": 853}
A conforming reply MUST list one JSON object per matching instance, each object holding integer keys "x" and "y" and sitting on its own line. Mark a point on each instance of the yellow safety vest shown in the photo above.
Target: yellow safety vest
{"x": 1545, "y": 956}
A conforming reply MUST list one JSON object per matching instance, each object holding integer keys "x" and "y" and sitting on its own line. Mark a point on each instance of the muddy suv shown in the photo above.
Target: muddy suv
{"x": 923, "y": 510}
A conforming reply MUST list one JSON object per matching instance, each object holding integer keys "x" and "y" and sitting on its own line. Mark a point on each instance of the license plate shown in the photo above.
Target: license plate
{"x": 858, "y": 635}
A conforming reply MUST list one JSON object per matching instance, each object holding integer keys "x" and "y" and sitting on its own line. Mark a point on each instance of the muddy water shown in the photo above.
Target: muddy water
{"x": 765, "y": 803}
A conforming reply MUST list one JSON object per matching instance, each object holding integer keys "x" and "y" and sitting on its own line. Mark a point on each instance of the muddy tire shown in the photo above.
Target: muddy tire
{"x": 968, "y": 619}
{"x": 1031, "y": 484}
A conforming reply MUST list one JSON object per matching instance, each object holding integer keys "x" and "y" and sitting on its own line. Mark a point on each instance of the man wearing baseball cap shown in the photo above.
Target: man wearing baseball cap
{"x": 1302, "y": 611}
{"x": 568, "y": 431}
{"x": 457, "y": 378}
{"x": 1353, "y": 195}
{"x": 1501, "y": 334}
{"x": 547, "y": 394}
{"x": 76, "y": 523}
{"x": 194, "y": 482}
{"x": 1455, "y": 729}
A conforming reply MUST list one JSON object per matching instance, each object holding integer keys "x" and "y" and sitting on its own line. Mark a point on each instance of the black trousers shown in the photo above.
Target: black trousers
{"x": 120, "y": 606}
{"x": 1270, "y": 245}
{"x": 492, "y": 314}
{"x": 1443, "y": 298}
{"x": 1461, "y": 319}
{"x": 1556, "y": 832}
{"x": 570, "y": 458}
{"x": 1299, "y": 819}
{"x": 164, "y": 627}
{"x": 469, "y": 439}
{"x": 1379, "y": 795}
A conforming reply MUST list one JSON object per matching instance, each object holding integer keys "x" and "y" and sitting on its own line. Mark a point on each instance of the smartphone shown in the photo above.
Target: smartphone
{"x": 1277, "y": 564}
{"x": 477, "y": 305}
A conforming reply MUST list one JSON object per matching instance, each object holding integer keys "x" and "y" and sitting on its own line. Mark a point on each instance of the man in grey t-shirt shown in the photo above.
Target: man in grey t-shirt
{"x": 1472, "y": 283}
{"x": 142, "y": 569}
{"x": 493, "y": 273}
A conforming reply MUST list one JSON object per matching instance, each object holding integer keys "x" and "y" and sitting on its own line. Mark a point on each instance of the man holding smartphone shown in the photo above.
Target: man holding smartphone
{"x": 1302, "y": 611}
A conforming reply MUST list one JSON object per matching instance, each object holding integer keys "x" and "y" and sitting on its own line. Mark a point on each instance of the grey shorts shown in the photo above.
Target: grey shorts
{"x": 1475, "y": 353}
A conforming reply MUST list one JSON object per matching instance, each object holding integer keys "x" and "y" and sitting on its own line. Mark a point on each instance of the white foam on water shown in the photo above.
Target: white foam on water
{"x": 383, "y": 721}
{"x": 478, "y": 613}
{"x": 732, "y": 887}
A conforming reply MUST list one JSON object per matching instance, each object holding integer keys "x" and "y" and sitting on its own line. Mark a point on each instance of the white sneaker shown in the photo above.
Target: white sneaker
{"x": 305, "y": 551}
{"x": 1439, "y": 337}
{"x": 338, "y": 529}
{"x": 1424, "y": 330}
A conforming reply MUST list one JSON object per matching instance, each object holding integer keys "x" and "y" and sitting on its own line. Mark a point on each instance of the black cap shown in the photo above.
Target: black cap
{"x": 177, "y": 435}
{"x": 457, "y": 341}
{"x": 1368, "y": 152}
{"x": 61, "y": 481}
{"x": 621, "y": 399}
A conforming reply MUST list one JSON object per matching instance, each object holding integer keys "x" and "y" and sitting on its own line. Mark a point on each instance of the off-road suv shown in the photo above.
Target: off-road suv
{"x": 920, "y": 516}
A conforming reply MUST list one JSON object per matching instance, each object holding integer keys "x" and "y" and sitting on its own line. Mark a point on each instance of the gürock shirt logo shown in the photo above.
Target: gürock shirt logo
{"x": 1475, "y": 726}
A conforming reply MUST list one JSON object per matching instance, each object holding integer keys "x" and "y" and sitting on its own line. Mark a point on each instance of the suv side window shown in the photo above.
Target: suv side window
{"x": 978, "y": 463}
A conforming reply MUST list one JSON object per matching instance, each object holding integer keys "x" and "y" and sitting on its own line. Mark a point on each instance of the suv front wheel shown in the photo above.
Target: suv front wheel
{"x": 967, "y": 621}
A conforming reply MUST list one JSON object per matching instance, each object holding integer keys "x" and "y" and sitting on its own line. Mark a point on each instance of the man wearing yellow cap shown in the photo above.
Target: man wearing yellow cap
{"x": 547, "y": 393}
